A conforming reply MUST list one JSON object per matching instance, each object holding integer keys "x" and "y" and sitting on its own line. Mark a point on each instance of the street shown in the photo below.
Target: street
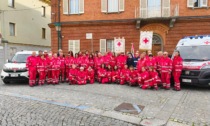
{"x": 72, "y": 105}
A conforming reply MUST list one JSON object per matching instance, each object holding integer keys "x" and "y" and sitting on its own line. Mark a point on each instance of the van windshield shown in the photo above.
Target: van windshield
{"x": 20, "y": 58}
{"x": 194, "y": 53}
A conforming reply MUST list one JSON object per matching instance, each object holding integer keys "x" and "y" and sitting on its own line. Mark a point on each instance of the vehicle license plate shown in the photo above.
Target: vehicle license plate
{"x": 14, "y": 75}
{"x": 187, "y": 80}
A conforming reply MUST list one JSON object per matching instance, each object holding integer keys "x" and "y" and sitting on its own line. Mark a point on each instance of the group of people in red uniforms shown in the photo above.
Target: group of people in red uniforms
{"x": 143, "y": 70}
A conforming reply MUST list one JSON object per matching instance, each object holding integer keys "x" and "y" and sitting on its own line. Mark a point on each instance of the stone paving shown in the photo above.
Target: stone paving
{"x": 190, "y": 107}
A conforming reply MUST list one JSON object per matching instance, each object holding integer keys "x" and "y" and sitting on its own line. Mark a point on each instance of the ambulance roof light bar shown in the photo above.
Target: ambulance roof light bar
{"x": 196, "y": 36}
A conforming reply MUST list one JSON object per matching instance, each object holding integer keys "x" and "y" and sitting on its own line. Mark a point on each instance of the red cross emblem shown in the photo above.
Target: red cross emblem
{"x": 145, "y": 40}
{"x": 207, "y": 42}
{"x": 119, "y": 43}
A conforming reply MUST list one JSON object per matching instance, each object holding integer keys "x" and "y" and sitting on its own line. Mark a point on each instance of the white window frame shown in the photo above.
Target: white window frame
{"x": 12, "y": 29}
{"x": 201, "y": 3}
{"x": 106, "y": 3}
{"x": 103, "y": 45}
{"x": 74, "y": 45}
{"x": 67, "y": 10}
{"x": 11, "y": 3}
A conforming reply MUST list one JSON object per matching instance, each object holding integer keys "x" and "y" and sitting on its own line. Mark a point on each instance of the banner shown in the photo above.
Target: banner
{"x": 146, "y": 40}
{"x": 119, "y": 45}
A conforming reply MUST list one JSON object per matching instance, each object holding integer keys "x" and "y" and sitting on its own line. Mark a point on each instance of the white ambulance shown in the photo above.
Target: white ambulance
{"x": 195, "y": 51}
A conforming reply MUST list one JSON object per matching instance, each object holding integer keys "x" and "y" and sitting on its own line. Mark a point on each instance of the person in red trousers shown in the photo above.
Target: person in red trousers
{"x": 115, "y": 75}
{"x": 124, "y": 75}
{"x": 81, "y": 76}
{"x": 42, "y": 69}
{"x": 177, "y": 70}
{"x": 31, "y": 65}
{"x": 143, "y": 78}
{"x": 166, "y": 68}
{"x": 73, "y": 72}
{"x": 109, "y": 73}
{"x": 133, "y": 76}
{"x": 62, "y": 67}
{"x": 102, "y": 75}
{"x": 154, "y": 78}
{"x": 55, "y": 69}
{"x": 90, "y": 75}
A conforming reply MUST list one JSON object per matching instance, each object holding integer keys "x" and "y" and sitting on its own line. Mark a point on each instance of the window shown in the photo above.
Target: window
{"x": 43, "y": 11}
{"x": 74, "y": 45}
{"x": 73, "y": 6}
{"x": 112, "y": 6}
{"x": 106, "y": 45}
{"x": 12, "y": 29}
{"x": 11, "y": 3}
{"x": 154, "y": 8}
{"x": 197, "y": 3}
{"x": 43, "y": 33}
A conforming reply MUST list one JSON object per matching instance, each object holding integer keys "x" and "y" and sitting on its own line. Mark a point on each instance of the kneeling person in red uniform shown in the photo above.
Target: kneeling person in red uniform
{"x": 133, "y": 77}
{"x": 90, "y": 75}
{"x": 73, "y": 74}
{"x": 81, "y": 77}
{"x": 154, "y": 78}
{"x": 143, "y": 78}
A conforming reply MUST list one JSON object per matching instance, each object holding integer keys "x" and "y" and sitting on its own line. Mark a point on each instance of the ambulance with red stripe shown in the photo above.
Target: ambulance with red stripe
{"x": 195, "y": 51}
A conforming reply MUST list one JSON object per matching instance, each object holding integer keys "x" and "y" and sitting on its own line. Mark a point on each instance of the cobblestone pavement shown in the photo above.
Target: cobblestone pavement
{"x": 191, "y": 106}
{"x": 24, "y": 112}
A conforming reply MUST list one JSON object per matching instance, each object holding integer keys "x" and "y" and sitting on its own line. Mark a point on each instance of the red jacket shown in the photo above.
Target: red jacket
{"x": 42, "y": 65}
{"x": 124, "y": 73}
{"x": 144, "y": 75}
{"x": 102, "y": 72}
{"x": 98, "y": 62}
{"x": 158, "y": 60}
{"x": 177, "y": 64}
{"x": 62, "y": 62}
{"x": 112, "y": 61}
{"x": 151, "y": 62}
{"x": 154, "y": 76}
{"x": 49, "y": 63}
{"x": 56, "y": 64}
{"x": 116, "y": 73}
{"x": 141, "y": 63}
{"x": 91, "y": 63}
{"x": 90, "y": 73}
{"x": 73, "y": 73}
{"x": 133, "y": 74}
{"x": 31, "y": 62}
{"x": 166, "y": 65}
{"x": 81, "y": 75}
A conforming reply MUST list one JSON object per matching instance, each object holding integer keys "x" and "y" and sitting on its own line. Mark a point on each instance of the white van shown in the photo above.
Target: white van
{"x": 15, "y": 69}
{"x": 195, "y": 51}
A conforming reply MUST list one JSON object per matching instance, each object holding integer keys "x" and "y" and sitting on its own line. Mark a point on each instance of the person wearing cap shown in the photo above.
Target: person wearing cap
{"x": 73, "y": 72}
{"x": 49, "y": 60}
{"x": 81, "y": 76}
{"x": 55, "y": 69}
{"x": 166, "y": 69}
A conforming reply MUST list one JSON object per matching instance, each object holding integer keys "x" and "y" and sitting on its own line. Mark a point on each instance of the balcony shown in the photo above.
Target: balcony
{"x": 157, "y": 12}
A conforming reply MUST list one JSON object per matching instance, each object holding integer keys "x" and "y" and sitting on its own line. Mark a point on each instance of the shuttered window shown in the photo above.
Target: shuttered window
{"x": 106, "y": 45}
{"x": 112, "y": 6}
{"x": 166, "y": 8}
{"x": 73, "y": 6}
{"x": 74, "y": 45}
{"x": 197, "y": 3}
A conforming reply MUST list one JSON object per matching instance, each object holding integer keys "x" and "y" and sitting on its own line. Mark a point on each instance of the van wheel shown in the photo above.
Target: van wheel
{"x": 6, "y": 82}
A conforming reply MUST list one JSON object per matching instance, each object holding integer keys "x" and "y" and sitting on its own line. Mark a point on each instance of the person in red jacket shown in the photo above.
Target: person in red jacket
{"x": 133, "y": 76}
{"x": 83, "y": 61}
{"x": 102, "y": 75}
{"x": 143, "y": 78}
{"x": 150, "y": 61}
{"x": 154, "y": 78}
{"x": 49, "y": 68}
{"x": 115, "y": 75}
{"x": 73, "y": 72}
{"x": 141, "y": 62}
{"x": 112, "y": 61}
{"x": 67, "y": 64}
{"x": 81, "y": 76}
{"x": 62, "y": 67}
{"x": 42, "y": 69}
{"x": 166, "y": 68}
{"x": 177, "y": 70}
{"x": 124, "y": 75}
{"x": 55, "y": 69}
{"x": 109, "y": 73}
{"x": 158, "y": 60}
{"x": 31, "y": 65}
{"x": 91, "y": 61}
{"x": 90, "y": 75}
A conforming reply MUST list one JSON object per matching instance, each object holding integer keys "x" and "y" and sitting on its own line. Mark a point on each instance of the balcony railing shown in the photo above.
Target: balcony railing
{"x": 157, "y": 12}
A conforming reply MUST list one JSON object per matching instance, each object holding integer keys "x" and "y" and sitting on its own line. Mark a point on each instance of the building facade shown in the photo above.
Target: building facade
{"x": 24, "y": 24}
{"x": 170, "y": 20}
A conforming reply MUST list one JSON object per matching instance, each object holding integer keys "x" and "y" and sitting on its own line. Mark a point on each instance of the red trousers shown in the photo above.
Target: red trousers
{"x": 81, "y": 81}
{"x": 67, "y": 74}
{"x": 90, "y": 79}
{"x": 49, "y": 76}
{"x": 176, "y": 75}
{"x": 42, "y": 75}
{"x": 132, "y": 81}
{"x": 32, "y": 76}
{"x": 55, "y": 76}
{"x": 165, "y": 78}
{"x": 115, "y": 79}
{"x": 153, "y": 83}
{"x": 72, "y": 80}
